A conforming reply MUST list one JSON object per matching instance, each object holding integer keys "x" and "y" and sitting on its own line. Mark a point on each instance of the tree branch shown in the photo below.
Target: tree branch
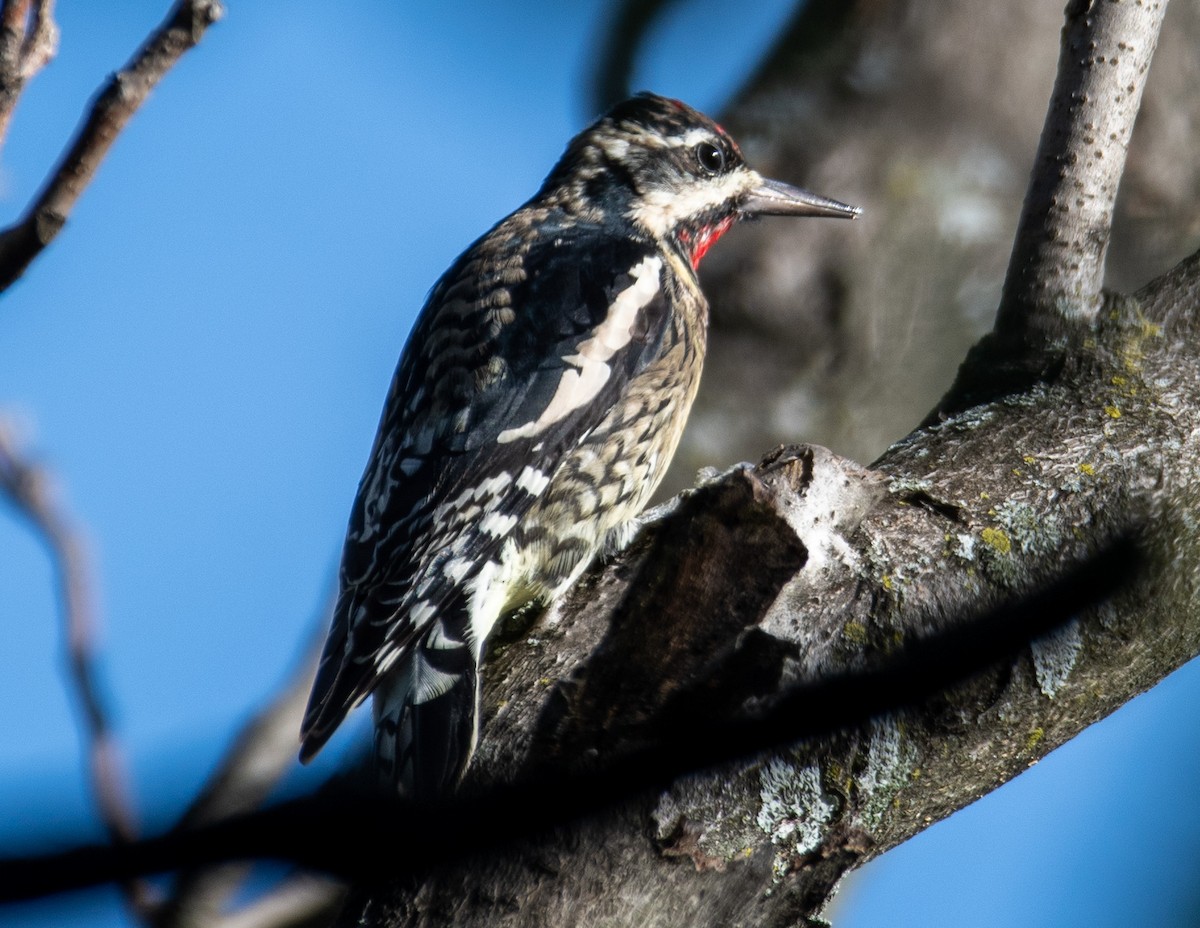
{"x": 1057, "y": 266}
{"x": 111, "y": 110}
{"x": 27, "y": 487}
{"x": 263, "y": 751}
{"x": 27, "y": 44}
{"x": 620, "y": 41}
{"x": 346, "y": 832}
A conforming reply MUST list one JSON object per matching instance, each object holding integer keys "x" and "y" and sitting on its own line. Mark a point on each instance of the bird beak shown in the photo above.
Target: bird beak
{"x": 775, "y": 198}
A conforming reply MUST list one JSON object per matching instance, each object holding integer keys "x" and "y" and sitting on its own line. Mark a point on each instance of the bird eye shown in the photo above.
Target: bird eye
{"x": 710, "y": 158}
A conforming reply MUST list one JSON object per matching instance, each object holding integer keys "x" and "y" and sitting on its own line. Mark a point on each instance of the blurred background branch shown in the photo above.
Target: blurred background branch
{"x": 111, "y": 109}
{"x": 28, "y": 40}
{"x": 28, "y": 488}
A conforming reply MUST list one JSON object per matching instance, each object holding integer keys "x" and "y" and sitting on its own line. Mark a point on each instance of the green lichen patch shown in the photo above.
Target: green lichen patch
{"x": 996, "y": 539}
{"x": 1028, "y": 531}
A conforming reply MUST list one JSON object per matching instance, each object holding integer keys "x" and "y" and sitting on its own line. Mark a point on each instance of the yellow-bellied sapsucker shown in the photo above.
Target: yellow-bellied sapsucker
{"x": 533, "y": 412}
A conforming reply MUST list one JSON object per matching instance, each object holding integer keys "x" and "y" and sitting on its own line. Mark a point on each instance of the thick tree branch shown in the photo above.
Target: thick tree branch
{"x": 346, "y": 832}
{"x": 112, "y": 108}
{"x": 978, "y": 508}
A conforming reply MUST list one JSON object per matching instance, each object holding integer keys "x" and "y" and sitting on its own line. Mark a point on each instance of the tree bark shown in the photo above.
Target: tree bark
{"x": 849, "y": 564}
{"x": 808, "y": 564}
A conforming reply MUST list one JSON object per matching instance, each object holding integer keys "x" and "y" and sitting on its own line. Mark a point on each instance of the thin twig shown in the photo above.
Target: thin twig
{"x": 1056, "y": 270}
{"x": 28, "y": 488}
{"x": 28, "y": 42}
{"x": 262, "y": 752}
{"x": 298, "y": 900}
{"x": 111, "y": 110}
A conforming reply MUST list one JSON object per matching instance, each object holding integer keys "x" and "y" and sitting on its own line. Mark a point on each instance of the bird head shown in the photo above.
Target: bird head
{"x": 675, "y": 174}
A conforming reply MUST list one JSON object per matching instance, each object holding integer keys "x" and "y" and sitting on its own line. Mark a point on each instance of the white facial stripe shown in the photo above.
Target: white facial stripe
{"x": 660, "y": 211}
{"x": 617, "y": 148}
{"x": 578, "y": 386}
{"x": 695, "y": 137}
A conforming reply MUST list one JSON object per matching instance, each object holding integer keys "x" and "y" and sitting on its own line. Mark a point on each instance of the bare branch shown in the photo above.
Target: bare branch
{"x": 29, "y": 489}
{"x": 262, "y": 752}
{"x": 1056, "y": 270}
{"x": 111, "y": 110}
{"x": 27, "y": 44}
{"x": 304, "y": 899}
{"x": 41, "y": 44}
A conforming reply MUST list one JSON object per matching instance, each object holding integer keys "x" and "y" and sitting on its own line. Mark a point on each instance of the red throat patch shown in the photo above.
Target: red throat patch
{"x": 705, "y": 239}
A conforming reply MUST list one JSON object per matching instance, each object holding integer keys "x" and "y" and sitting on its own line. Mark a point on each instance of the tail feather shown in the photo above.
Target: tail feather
{"x": 427, "y": 722}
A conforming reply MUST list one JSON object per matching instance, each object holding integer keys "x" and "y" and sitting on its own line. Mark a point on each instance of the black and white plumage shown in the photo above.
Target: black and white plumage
{"x": 534, "y": 410}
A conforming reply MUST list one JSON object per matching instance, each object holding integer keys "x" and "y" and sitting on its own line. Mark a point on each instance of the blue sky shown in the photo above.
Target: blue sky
{"x": 201, "y": 356}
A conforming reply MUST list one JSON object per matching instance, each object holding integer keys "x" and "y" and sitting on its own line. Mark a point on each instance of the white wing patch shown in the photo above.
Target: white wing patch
{"x": 420, "y": 614}
{"x": 456, "y": 569}
{"x": 439, "y": 641}
{"x": 497, "y": 524}
{"x": 580, "y": 384}
{"x": 474, "y": 499}
{"x": 533, "y": 481}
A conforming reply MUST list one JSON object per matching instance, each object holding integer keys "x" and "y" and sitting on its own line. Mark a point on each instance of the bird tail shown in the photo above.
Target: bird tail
{"x": 427, "y": 721}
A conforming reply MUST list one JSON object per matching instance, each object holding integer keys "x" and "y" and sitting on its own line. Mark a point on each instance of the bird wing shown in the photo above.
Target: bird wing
{"x": 511, "y": 364}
